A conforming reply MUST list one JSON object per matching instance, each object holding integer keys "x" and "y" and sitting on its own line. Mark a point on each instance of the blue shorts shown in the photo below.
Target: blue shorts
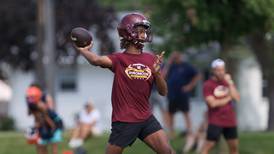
{"x": 57, "y": 137}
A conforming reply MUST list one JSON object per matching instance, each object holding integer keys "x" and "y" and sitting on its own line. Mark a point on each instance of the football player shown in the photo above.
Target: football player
{"x": 134, "y": 73}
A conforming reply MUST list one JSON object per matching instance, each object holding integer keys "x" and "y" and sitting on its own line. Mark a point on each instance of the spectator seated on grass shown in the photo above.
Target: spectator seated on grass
{"x": 87, "y": 126}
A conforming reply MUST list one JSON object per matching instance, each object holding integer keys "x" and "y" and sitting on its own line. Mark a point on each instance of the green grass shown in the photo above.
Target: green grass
{"x": 250, "y": 143}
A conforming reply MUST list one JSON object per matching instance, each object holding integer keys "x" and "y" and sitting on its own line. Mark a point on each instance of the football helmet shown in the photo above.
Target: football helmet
{"x": 127, "y": 28}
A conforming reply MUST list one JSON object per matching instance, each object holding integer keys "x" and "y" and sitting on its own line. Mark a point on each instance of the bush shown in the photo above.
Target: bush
{"x": 6, "y": 123}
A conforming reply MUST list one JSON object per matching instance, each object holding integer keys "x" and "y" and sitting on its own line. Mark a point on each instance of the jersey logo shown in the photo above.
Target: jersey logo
{"x": 221, "y": 91}
{"x": 138, "y": 71}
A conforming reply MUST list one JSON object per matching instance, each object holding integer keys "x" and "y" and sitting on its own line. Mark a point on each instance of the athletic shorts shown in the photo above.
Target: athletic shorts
{"x": 57, "y": 137}
{"x": 124, "y": 134}
{"x": 178, "y": 105}
{"x": 214, "y": 132}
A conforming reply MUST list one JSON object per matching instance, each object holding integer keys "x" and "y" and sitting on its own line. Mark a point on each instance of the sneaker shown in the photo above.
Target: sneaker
{"x": 75, "y": 143}
{"x": 72, "y": 143}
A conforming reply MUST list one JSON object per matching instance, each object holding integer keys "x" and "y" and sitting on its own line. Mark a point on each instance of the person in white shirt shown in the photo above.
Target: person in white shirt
{"x": 88, "y": 124}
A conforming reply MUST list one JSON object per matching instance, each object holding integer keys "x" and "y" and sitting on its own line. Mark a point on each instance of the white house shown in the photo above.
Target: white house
{"x": 253, "y": 107}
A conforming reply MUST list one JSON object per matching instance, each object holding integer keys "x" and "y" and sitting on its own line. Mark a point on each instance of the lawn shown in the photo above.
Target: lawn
{"x": 250, "y": 143}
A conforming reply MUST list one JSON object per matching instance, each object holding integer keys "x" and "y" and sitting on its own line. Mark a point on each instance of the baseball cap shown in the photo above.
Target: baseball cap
{"x": 33, "y": 94}
{"x": 217, "y": 62}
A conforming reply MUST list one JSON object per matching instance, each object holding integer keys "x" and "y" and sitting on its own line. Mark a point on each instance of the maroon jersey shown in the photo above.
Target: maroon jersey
{"x": 131, "y": 86}
{"x": 223, "y": 116}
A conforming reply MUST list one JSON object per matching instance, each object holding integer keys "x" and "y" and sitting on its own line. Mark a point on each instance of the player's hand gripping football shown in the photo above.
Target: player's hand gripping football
{"x": 83, "y": 49}
{"x": 158, "y": 62}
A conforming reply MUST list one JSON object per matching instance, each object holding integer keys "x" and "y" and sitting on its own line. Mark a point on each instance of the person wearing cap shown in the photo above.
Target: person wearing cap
{"x": 48, "y": 124}
{"x": 88, "y": 124}
{"x": 219, "y": 94}
{"x": 46, "y": 97}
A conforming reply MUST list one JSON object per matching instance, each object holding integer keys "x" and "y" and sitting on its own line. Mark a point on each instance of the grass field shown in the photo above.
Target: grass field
{"x": 250, "y": 143}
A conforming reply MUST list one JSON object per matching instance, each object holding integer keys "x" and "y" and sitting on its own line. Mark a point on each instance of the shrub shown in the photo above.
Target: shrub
{"x": 6, "y": 123}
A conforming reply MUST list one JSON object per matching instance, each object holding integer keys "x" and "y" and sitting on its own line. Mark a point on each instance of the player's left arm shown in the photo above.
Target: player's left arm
{"x": 43, "y": 110}
{"x": 49, "y": 121}
{"x": 160, "y": 84}
{"x": 159, "y": 79}
{"x": 50, "y": 102}
{"x": 232, "y": 88}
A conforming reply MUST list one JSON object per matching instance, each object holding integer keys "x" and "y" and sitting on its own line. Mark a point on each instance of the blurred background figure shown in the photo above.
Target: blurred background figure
{"x": 200, "y": 135}
{"x": 46, "y": 98}
{"x": 48, "y": 125}
{"x": 87, "y": 125}
{"x": 219, "y": 94}
{"x": 181, "y": 79}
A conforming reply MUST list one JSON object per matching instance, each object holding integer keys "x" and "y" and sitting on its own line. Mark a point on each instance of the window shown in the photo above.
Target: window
{"x": 67, "y": 78}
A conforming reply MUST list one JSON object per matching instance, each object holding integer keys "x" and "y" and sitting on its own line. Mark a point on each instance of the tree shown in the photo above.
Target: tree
{"x": 84, "y": 13}
{"x": 18, "y": 28}
{"x": 192, "y": 22}
{"x": 28, "y": 39}
{"x": 17, "y": 35}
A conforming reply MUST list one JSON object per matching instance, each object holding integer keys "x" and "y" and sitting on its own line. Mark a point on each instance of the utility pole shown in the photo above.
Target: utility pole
{"x": 46, "y": 64}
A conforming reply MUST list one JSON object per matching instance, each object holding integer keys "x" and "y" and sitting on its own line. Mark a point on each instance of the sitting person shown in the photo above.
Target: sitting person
{"x": 87, "y": 125}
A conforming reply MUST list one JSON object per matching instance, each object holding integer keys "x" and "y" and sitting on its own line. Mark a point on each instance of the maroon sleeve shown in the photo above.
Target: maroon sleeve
{"x": 114, "y": 59}
{"x": 207, "y": 89}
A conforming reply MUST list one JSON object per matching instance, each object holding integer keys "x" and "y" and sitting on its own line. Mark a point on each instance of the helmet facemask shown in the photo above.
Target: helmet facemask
{"x": 141, "y": 34}
{"x": 129, "y": 32}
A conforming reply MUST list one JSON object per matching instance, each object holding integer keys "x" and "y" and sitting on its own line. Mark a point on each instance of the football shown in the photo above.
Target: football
{"x": 80, "y": 36}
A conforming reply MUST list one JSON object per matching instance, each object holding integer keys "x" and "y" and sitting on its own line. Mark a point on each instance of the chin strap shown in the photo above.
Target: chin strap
{"x": 138, "y": 44}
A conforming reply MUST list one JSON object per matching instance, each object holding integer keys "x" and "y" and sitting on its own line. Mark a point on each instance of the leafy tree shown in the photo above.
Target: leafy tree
{"x": 85, "y": 13}
{"x": 18, "y": 28}
{"x": 192, "y": 22}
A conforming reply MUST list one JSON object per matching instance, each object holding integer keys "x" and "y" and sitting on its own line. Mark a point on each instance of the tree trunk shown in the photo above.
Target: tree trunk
{"x": 271, "y": 103}
{"x": 46, "y": 65}
{"x": 39, "y": 66}
{"x": 263, "y": 51}
{"x": 49, "y": 47}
